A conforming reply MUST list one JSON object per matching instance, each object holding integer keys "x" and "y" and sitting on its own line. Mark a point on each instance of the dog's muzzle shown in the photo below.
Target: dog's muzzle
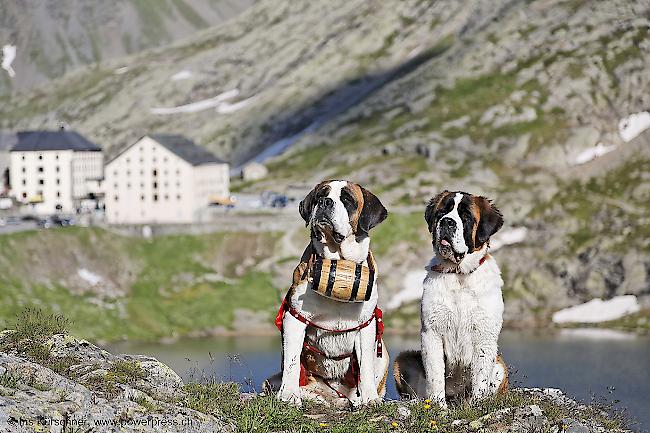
{"x": 444, "y": 243}
{"x": 322, "y": 221}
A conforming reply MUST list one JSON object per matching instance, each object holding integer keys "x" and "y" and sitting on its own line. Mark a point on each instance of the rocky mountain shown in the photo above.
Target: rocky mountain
{"x": 54, "y": 37}
{"x": 540, "y": 105}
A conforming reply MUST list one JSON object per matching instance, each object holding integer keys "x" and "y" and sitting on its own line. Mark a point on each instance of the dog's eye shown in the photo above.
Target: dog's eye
{"x": 347, "y": 200}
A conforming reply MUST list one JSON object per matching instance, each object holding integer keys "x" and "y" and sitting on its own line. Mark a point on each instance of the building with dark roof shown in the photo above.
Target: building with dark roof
{"x": 52, "y": 170}
{"x": 163, "y": 178}
{"x": 30, "y": 141}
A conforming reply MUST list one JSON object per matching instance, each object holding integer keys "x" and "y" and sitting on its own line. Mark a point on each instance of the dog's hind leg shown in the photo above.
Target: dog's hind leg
{"x": 499, "y": 381}
{"x": 272, "y": 383}
{"x": 408, "y": 372}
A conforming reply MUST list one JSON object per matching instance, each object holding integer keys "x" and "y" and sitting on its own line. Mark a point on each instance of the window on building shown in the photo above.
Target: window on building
{"x": 56, "y": 156}
{"x": 128, "y": 186}
{"x": 24, "y": 182}
{"x": 58, "y": 181}
{"x": 166, "y": 197}
{"x": 115, "y": 172}
{"x": 57, "y": 169}
{"x": 23, "y": 157}
{"x": 41, "y": 181}
{"x": 58, "y": 194}
{"x": 142, "y": 197}
{"x": 128, "y": 160}
{"x": 40, "y": 169}
{"x": 116, "y": 197}
{"x": 40, "y": 157}
{"x": 155, "y": 197}
{"x": 23, "y": 169}
{"x": 155, "y": 185}
{"x": 155, "y": 172}
{"x": 128, "y": 172}
{"x": 178, "y": 196}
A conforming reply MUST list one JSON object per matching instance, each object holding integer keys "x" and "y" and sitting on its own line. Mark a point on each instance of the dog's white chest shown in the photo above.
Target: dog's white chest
{"x": 463, "y": 309}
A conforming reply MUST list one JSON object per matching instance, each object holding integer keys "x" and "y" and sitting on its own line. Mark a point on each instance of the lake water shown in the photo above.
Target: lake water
{"x": 586, "y": 364}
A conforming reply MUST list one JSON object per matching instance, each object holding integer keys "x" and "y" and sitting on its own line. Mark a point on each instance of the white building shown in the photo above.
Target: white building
{"x": 163, "y": 179}
{"x": 51, "y": 170}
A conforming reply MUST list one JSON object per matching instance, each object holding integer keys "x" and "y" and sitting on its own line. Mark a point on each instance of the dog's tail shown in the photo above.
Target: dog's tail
{"x": 408, "y": 372}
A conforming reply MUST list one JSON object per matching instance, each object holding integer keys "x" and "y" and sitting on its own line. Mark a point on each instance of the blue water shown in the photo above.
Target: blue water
{"x": 601, "y": 365}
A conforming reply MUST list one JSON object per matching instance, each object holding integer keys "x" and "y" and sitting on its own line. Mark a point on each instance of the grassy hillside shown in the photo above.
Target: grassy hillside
{"x": 168, "y": 286}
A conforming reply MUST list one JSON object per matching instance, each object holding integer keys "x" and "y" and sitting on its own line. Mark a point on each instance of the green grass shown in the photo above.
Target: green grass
{"x": 398, "y": 228}
{"x": 165, "y": 291}
{"x": 266, "y": 413}
{"x": 126, "y": 372}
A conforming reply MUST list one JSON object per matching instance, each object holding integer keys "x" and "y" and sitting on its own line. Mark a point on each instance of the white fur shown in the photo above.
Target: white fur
{"x": 331, "y": 314}
{"x": 458, "y": 240}
{"x": 461, "y": 320}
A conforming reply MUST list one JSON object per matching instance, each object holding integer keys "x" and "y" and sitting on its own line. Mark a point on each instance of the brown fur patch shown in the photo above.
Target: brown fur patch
{"x": 476, "y": 212}
{"x": 503, "y": 388}
{"x": 358, "y": 195}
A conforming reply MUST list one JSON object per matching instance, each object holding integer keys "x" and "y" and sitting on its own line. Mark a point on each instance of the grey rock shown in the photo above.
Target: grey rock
{"x": 574, "y": 426}
{"x": 45, "y": 400}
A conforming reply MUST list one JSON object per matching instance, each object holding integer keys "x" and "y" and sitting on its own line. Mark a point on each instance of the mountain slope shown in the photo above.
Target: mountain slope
{"x": 410, "y": 97}
{"x": 54, "y": 37}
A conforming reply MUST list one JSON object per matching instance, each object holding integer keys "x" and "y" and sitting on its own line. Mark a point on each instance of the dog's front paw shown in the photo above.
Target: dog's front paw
{"x": 440, "y": 401}
{"x": 291, "y": 396}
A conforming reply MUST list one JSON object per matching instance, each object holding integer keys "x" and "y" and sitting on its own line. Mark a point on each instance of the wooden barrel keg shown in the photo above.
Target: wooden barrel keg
{"x": 343, "y": 280}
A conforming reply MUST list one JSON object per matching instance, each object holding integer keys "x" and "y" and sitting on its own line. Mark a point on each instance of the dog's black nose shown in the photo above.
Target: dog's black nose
{"x": 325, "y": 203}
{"x": 448, "y": 224}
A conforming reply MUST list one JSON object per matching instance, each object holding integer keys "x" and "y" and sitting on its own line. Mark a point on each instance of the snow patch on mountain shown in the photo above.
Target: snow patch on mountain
{"x": 412, "y": 289}
{"x": 592, "y": 153}
{"x": 597, "y": 310}
{"x": 198, "y": 105}
{"x": 633, "y": 125}
{"x": 8, "y": 56}
{"x": 508, "y": 237}
{"x": 182, "y": 75}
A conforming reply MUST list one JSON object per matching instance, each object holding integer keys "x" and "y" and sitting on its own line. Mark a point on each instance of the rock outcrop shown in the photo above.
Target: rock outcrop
{"x": 81, "y": 387}
{"x": 60, "y": 384}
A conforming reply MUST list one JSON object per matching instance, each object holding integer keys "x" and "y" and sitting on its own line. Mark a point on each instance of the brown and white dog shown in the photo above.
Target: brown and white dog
{"x": 340, "y": 215}
{"x": 462, "y": 306}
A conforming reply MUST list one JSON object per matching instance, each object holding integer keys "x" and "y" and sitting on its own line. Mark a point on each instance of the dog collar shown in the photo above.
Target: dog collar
{"x": 456, "y": 270}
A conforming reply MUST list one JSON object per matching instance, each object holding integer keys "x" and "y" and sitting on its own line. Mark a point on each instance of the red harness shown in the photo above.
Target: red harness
{"x": 352, "y": 377}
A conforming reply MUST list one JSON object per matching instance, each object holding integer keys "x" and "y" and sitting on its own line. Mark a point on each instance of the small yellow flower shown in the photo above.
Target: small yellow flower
{"x": 394, "y": 424}
{"x": 427, "y": 406}
{"x": 433, "y": 424}
{"x": 565, "y": 427}
{"x": 427, "y": 401}
{"x": 323, "y": 424}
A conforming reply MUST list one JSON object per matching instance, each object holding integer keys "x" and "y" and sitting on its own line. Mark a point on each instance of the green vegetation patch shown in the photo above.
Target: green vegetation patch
{"x": 167, "y": 286}
{"x": 266, "y": 413}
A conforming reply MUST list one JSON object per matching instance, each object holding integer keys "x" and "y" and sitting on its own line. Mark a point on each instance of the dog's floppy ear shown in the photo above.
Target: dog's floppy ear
{"x": 372, "y": 213}
{"x": 431, "y": 208}
{"x": 490, "y": 220}
{"x": 307, "y": 204}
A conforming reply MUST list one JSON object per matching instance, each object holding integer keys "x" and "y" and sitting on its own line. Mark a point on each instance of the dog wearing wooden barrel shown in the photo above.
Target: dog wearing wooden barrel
{"x": 462, "y": 307}
{"x": 332, "y": 351}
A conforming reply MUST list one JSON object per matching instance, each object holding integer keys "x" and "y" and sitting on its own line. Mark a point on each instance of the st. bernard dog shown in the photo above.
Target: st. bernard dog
{"x": 462, "y": 307}
{"x": 340, "y": 215}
